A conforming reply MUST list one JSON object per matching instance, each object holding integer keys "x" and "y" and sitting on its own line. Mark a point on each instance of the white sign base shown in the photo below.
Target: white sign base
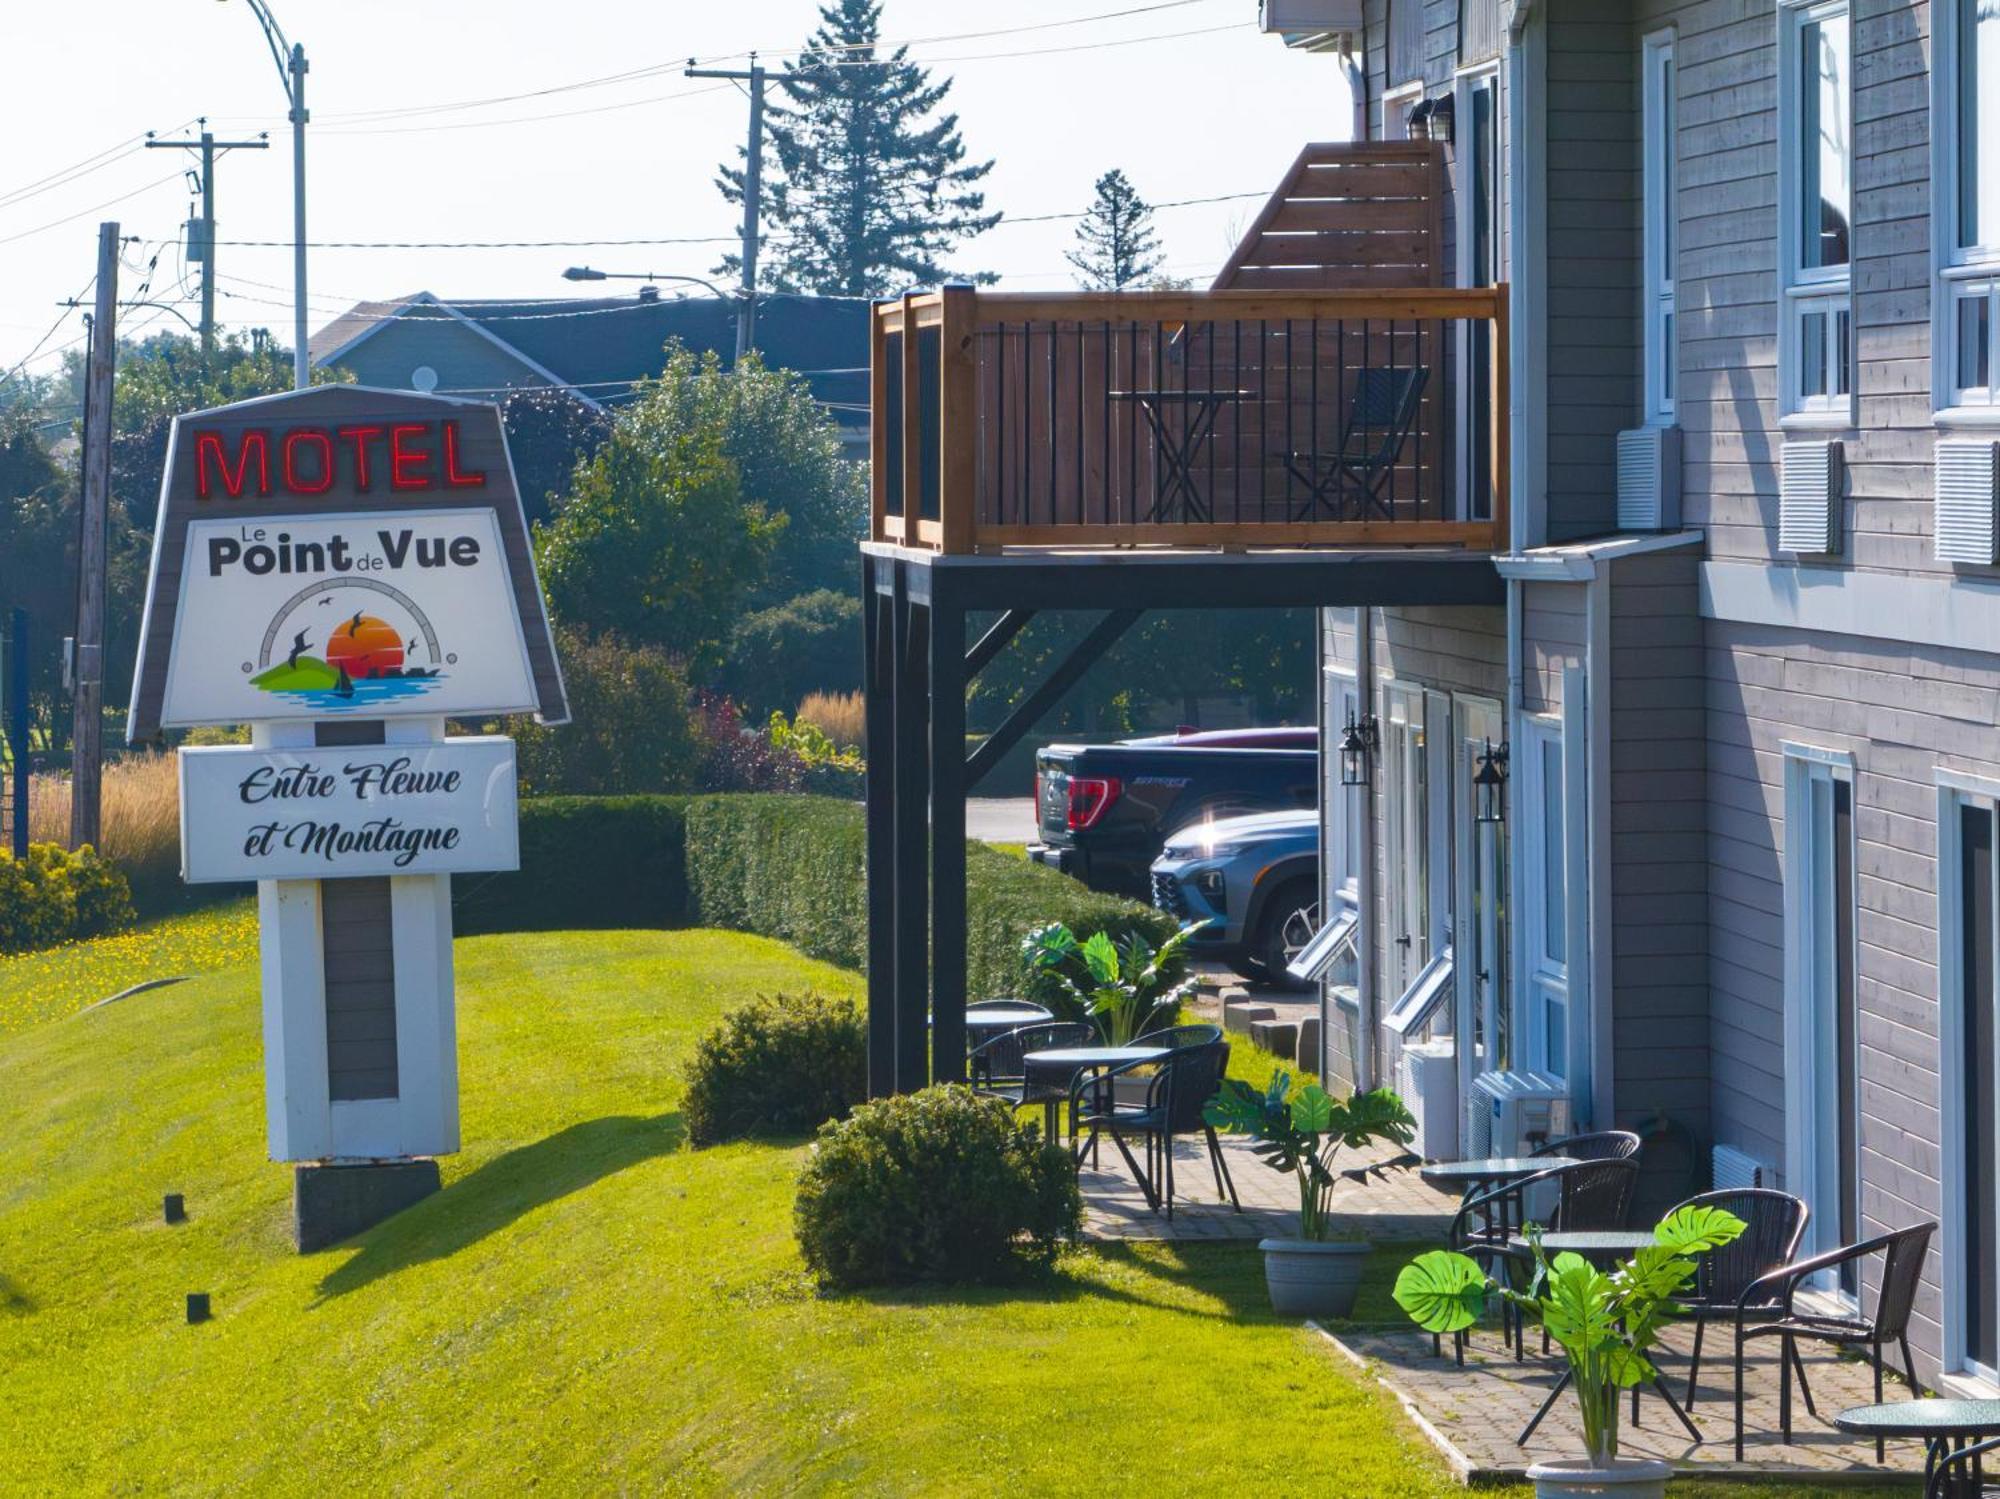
{"x": 303, "y": 1122}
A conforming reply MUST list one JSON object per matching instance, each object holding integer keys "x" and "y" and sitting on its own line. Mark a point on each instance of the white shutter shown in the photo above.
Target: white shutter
{"x": 1649, "y": 479}
{"x": 1967, "y": 516}
{"x": 1809, "y": 498}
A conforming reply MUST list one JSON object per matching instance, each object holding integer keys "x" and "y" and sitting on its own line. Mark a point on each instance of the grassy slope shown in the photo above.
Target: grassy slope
{"x": 52, "y": 982}
{"x": 588, "y": 1304}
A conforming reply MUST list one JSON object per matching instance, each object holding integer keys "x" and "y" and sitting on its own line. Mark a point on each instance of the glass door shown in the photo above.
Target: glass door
{"x": 1406, "y": 835}
{"x": 1479, "y": 918}
{"x": 1478, "y": 133}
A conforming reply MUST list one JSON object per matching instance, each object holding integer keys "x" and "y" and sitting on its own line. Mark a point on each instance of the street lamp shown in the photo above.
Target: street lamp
{"x": 595, "y": 274}
{"x": 291, "y": 61}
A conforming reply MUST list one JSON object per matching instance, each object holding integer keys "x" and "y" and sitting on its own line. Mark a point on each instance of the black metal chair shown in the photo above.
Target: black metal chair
{"x": 1181, "y": 1037}
{"x": 1178, "y": 1088}
{"x": 1902, "y": 1254}
{"x": 1589, "y": 1194}
{"x": 1380, "y": 416}
{"x": 1957, "y": 1474}
{"x": 1598, "y": 1145}
{"x": 997, "y": 1069}
{"x": 1774, "y": 1223}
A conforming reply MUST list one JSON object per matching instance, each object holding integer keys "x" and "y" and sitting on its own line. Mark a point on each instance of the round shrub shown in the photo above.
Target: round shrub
{"x": 941, "y": 1185}
{"x": 54, "y": 895}
{"x": 781, "y": 1065}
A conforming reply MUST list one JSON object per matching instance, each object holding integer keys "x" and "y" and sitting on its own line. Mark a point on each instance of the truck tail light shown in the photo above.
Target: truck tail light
{"x": 1090, "y": 797}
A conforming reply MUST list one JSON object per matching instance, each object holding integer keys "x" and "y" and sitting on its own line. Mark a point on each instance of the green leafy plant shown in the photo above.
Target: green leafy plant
{"x": 1303, "y": 1132}
{"x": 1123, "y": 983}
{"x": 1605, "y": 1320}
{"x": 939, "y": 1185}
{"x": 778, "y": 1066}
{"x": 55, "y": 895}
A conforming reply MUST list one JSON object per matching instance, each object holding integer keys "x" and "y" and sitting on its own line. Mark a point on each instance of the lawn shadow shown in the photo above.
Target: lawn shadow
{"x": 13, "y": 1300}
{"x": 492, "y": 1196}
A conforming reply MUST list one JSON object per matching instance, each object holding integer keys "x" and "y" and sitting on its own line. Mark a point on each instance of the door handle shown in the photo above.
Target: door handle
{"x": 1404, "y": 940}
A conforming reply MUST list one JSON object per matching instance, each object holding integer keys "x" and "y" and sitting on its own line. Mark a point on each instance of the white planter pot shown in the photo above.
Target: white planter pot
{"x": 1307, "y": 1278}
{"x": 1626, "y": 1478}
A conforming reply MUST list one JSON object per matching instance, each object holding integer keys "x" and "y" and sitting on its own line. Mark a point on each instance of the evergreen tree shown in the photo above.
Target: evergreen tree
{"x": 869, "y": 191}
{"x": 1116, "y": 245}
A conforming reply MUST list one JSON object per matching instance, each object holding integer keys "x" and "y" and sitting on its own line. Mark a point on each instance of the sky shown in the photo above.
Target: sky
{"x": 1187, "y": 97}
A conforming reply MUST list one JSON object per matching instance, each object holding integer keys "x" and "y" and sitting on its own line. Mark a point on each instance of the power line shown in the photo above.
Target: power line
{"x": 85, "y": 213}
{"x": 62, "y": 176}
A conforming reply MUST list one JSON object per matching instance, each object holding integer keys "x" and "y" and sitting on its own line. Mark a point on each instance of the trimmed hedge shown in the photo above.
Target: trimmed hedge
{"x": 784, "y": 866}
{"x": 586, "y": 861}
{"x": 794, "y": 868}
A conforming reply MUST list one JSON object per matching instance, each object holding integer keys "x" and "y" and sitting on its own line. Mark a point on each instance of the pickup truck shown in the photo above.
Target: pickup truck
{"x": 1105, "y": 811}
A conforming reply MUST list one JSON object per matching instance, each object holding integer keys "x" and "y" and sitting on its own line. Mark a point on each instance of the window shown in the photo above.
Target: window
{"x": 1662, "y": 247}
{"x": 1965, "y": 132}
{"x": 1396, "y": 106}
{"x": 1543, "y": 802}
{"x": 1822, "y": 1058}
{"x": 1969, "y": 1077}
{"x": 1816, "y": 193}
{"x": 1478, "y": 196}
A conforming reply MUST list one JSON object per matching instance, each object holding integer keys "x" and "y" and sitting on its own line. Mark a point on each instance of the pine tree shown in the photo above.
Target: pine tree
{"x": 1116, "y": 245}
{"x": 870, "y": 192}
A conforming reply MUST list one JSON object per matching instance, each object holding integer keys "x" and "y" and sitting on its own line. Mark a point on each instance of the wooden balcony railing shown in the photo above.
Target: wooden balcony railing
{"x": 1226, "y": 418}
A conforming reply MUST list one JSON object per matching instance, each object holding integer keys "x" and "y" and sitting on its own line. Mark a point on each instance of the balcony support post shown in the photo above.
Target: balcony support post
{"x": 878, "y": 608}
{"x": 911, "y": 835}
{"x": 947, "y": 828}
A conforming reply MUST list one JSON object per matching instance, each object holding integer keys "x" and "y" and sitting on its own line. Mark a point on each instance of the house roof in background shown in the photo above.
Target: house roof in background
{"x": 603, "y": 344}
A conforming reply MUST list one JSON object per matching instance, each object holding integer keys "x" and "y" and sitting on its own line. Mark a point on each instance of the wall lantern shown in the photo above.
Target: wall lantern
{"x": 1489, "y": 784}
{"x": 1432, "y": 119}
{"x": 1357, "y": 750}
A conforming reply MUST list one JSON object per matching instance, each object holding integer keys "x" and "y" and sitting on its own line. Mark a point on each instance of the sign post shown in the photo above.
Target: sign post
{"x": 344, "y": 570}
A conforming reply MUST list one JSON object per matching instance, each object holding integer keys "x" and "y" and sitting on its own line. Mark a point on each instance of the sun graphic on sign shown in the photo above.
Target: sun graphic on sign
{"x": 365, "y": 646}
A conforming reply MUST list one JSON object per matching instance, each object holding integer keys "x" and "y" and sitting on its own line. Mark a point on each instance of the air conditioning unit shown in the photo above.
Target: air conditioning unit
{"x": 1318, "y": 25}
{"x": 1730, "y": 1169}
{"x": 1514, "y": 1112}
{"x": 1427, "y": 1077}
{"x": 1649, "y": 479}
{"x": 1809, "y": 488}
{"x": 1966, "y": 520}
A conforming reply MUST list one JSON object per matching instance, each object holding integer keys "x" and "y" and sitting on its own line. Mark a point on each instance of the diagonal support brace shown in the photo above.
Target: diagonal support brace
{"x": 1029, "y": 710}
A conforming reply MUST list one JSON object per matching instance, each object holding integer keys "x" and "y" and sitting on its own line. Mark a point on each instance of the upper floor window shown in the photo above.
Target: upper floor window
{"x": 1662, "y": 248}
{"x": 1406, "y": 41}
{"x": 1816, "y": 195}
{"x": 1965, "y": 131}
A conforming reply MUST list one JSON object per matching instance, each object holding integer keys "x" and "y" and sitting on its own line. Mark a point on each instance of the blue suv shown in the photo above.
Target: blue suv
{"x": 1254, "y": 879}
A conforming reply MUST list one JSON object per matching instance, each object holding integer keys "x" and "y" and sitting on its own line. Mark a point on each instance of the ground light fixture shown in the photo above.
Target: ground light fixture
{"x": 1357, "y": 749}
{"x": 1489, "y": 784}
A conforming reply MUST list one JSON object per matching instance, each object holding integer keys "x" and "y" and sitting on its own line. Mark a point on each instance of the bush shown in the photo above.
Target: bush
{"x": 596, "y": 861}
{"x": 631, "y": 725}
{"x": 778, "y": 1066}
{"x": 940, "y": 1185}
{"x": 810, "y": 643}
{"x": 794, "y": 868}
{"x": 57, "y": 896}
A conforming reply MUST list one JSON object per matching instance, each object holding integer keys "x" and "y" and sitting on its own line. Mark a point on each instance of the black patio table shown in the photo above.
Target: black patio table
{"x": 997, "y": 1020}
{"x": 1199, "y": 410}
{"x": 1944, "y": 1427}
{"x": 1466, "y": 1177}
{"x": 1598, "y": 1245}
{"x": 1059, "y": 1066}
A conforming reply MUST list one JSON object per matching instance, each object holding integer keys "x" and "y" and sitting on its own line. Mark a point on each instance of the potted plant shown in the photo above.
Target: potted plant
{"x": 1605, "y": 1320}
{"x": 1124, "y": 984}
{"x": 1318, "y": 1273}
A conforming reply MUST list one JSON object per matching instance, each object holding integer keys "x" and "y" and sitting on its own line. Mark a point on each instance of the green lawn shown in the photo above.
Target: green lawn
{"x": 589, "y": 1305}
{"x": 55, "y": 981}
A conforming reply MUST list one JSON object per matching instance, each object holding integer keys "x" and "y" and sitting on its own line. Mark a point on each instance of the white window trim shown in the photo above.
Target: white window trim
{"x": 1344, "y": 693}
{"x": 1396, "y": 105}
{"x": 1463, "y": 84}
{"x": 1544, "y": 978}
{"x": 1953, "y": 267}
{"x": 1483, "y": 717}
{"x": 1806, "y": 1054}
{"x": 1955, "y": 791}
{"x": 1661, "y": 162}
{"x": 1802, "y": 290}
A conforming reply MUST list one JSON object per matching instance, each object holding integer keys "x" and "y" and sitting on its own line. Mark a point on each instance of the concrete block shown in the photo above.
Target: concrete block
{"x": 1279, "y": 1037}
{"x": 1309, "y": 1057}
{"x": 1238, "y": 1015}
{"x": 331, "y": 1203}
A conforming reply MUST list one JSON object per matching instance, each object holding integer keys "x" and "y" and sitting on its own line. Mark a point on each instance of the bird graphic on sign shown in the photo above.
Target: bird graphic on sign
{"x": 299, "y": 644}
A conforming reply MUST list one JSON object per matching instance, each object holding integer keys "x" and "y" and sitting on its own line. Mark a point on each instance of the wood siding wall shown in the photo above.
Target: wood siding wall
{"x": 1659, "y": 869}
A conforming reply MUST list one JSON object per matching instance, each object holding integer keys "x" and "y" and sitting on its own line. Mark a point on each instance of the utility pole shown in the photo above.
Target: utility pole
{"x": 87, "y": 731}
{"x": 753, "y": 190}
{"x": 210, "y": 148}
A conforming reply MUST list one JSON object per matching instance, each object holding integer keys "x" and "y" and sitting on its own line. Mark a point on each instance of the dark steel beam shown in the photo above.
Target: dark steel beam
{"x": 910, "y": 858}
{"x": 1030, "y": 709}
{"x": 989, "y": 645}
{"x": 878, "y": 678}
{"x": 948, "y": 937}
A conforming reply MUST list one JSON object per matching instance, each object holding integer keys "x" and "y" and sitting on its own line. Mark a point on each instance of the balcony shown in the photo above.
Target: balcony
{"x": 1233, "y": 418}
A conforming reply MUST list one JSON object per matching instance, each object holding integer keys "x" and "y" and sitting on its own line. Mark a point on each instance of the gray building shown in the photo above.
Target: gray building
{"x": 1747, "y": 672}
